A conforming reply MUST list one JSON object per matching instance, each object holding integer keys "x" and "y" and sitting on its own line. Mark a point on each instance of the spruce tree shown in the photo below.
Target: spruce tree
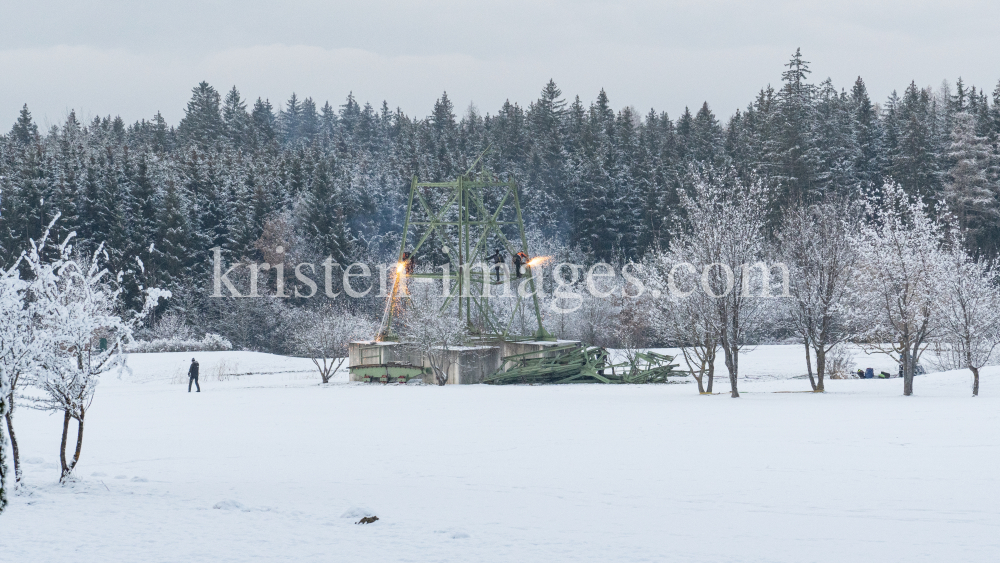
{"x": 868, "y": 136}
{"x": 24, "y": 131}
{"x": 968, "y": 191}
{"x": 263, "y": 124}
{"x": 290, "y": 120}
{"x": 202, "y": 122}
{"x": 235, "y": 118}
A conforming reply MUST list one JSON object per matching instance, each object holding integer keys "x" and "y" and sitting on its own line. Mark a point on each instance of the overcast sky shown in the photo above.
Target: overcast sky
{"x": 131, "y": 58}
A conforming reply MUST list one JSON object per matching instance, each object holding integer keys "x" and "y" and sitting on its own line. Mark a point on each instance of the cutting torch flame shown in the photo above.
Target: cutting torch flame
{"x": 538, "y": 261}
{"x": 400, "y": 269}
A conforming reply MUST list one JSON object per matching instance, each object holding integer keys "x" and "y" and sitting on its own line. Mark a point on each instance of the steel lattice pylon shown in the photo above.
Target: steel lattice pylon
{"x": 468, "y": 216}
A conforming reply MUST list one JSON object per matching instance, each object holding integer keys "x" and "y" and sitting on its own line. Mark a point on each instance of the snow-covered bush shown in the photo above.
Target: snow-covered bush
{"x": 324, "y": 334}
{"x": 211, "y": 342}
{"x": 172, "y": 326}
{"x": 432, "y": 331}
{"x": 839, "y": 361}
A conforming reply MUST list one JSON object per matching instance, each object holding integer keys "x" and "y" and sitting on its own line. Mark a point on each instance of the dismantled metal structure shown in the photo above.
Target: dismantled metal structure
{"x": 588, "y": 364}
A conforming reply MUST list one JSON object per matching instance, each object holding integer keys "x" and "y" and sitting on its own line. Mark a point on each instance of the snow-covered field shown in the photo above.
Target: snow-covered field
{"x": 275, "y": 467}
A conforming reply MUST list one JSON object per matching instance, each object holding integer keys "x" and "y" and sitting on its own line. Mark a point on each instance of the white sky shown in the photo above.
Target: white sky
{"x": 131, "y": 58}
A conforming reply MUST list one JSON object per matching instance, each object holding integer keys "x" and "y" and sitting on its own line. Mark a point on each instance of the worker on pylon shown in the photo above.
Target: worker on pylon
{"x": 497, "y": 258}
{"x": 520, "y": 259}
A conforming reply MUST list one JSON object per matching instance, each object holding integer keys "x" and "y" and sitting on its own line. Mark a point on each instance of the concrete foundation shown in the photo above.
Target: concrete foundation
{"x": 464, "y": 364}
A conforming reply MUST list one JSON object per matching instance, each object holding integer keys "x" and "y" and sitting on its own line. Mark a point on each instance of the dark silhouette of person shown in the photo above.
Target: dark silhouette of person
{"x": 497, "y": 259}
{"x": 193, "y": 375}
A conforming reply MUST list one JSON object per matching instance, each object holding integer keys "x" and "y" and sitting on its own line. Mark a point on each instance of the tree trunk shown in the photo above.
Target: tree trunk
{"x": 698, "y": 378}
{"x": 820, "y": 369}
{"x": 79, "y": 441}
{"x": 975, "y": 384}
{"x": 68, "y": 468}
{"x": 809, "y": 368}
{"x": 14, "y": 452}
{"x": 711, "y": 375}
{"x": 732, "y": 364}
{"x": 62, "y": 446}
{"x": 3, "y": 463}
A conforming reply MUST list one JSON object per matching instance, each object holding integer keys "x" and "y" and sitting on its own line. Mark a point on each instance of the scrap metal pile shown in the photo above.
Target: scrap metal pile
{"x": 587, "y": 364}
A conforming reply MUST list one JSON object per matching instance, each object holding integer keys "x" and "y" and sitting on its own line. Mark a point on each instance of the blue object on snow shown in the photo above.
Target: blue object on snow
{"x": 869, "y": 373}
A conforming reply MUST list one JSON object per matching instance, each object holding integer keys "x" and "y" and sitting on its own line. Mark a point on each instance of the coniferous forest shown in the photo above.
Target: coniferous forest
{"x": 332, "y": 179}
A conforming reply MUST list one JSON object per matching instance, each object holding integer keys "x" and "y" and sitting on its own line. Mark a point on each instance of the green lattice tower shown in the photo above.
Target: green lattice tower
{"x": 468, "y": 216}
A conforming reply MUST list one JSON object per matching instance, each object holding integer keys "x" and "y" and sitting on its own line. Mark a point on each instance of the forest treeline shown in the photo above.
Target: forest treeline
{"x": 332, "y": 180}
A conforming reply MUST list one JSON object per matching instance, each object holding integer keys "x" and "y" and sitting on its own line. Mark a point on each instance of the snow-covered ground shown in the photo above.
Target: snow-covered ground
{"x": 276, "y": 467}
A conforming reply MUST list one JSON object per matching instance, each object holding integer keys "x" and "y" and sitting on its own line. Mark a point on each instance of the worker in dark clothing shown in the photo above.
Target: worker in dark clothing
{"x": 497, "y": 259}
{"x": 193, "y": 375}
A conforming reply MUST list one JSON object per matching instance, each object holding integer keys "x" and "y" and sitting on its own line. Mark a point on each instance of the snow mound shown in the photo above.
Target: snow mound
{"x": 357, "y": 512}
{"x": 230, "y": 505}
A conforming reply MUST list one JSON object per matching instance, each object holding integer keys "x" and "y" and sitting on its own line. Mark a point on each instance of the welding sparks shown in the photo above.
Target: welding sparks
{"x": 400, "y": 268}
{"x": 538, "y": 261}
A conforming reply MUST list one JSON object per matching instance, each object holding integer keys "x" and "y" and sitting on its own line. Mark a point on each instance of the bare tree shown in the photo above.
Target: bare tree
{"x": 683, "y": 315}
{"x": 968, "y": 309}
{"x": 817, "y": 249}
{"x": 725, "y": 236}
{"x": 79, "y": 304}
{"x": 324, "y": 335}
{"x": 430, "y": 330}
{"x": 22, "y": 346}
{"x": 899, "y": 273}
{"x": 19, "y": 345}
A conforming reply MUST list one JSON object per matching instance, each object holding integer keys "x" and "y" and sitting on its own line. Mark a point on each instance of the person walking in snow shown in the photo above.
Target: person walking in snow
{"x": 193, "y": 375}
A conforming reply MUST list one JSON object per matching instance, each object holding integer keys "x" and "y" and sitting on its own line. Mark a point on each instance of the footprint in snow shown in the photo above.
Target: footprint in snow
{"x": 34, "y": 460}
{"x": 98, "y": 474}
{"x": 139, "y": 480}
{"x": 121, "y": 476}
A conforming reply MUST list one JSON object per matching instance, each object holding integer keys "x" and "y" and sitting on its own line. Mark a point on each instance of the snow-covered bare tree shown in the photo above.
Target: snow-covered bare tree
{"x": 80, "y": 308}
{"x": 725, "y": 234}
{"x": 431, "y": 331}
{"x": 898, "y": 279}
{"x": 20, "y": 345}
{"x": 817, "y": 249}
{"x": 323, "y": 334}
{"x": 684, "y": 315}
{"x": 17, "y": 352}
{"x": 968, "y": 309}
